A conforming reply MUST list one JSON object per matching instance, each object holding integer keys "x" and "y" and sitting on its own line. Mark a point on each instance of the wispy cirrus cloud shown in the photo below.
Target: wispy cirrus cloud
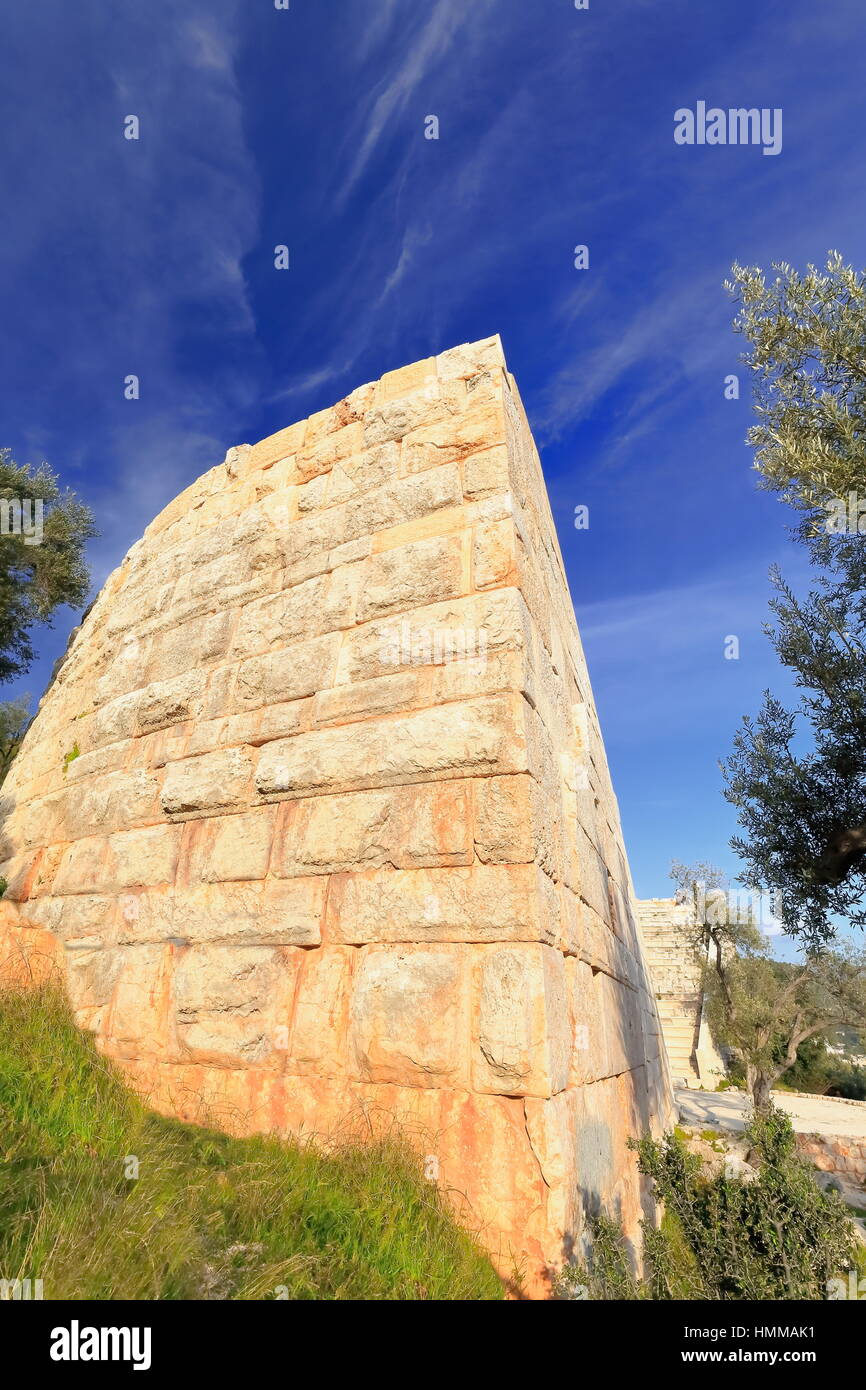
{"x": 432, "y": 39}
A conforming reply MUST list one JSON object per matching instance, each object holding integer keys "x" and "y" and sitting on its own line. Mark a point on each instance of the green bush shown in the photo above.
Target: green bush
{"x": 208, "y": 1216}
{"x": 778, "y": 1236}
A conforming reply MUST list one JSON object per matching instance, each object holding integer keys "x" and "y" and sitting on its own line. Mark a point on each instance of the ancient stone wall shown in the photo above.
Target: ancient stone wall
{"x": 666, "y": 927}
{"x": 317, "y": 813}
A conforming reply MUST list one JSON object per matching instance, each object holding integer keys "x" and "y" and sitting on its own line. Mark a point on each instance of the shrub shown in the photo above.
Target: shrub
{"x": 777, "y": 1236}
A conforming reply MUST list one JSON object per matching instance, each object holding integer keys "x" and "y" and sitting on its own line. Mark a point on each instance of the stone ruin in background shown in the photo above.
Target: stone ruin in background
{"x": 677, "y": 972}
{"x": 317, "y": 815}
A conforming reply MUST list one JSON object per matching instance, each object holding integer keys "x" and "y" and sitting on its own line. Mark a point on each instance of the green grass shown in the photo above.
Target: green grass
{"x": 208, "y": 1216}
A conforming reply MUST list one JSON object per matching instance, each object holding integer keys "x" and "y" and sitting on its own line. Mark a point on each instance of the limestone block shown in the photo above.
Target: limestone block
{"x": 486, "y": 473}
{"x": 403, "y": 501}
{"x": 394, "y": 419}
{"x": 92, "y": 976}
{"x": 323, "y": 454}
{"x": 506, "y": 826}
{"x": 210, "y": 734}
{"x": 86, "y": 867}
{"x": 350, "y": 552}
{"x": 279, "y": 912}
{"x": 277, "y": 620}
{"x": 523, "y": 1029}
{"x": 446, "y": 521}
{"x": 39, "y": 822}
{"x": 479, "y": 903}
{"x": 409, "y": 1016}
{"x": 412, "y": 576}
{"x": 278, "y": 446}
{"x": 456, "y": 437}
{"x": 127, "y": 859}
{"x": 219, "y": 695}
{"x": 116, "y": 720}
{"x": 586, "y": 871}
{"x": 551, "y": 1125}
{"x": 282, "y": 720}
{"x": 306, "y": 543}
{"x": 231, "y": 848}
{"x": 482, "y": 624}
{"x": 403, "y": 827}
{"x": 84, "y": 919}
{"x": 144, "y": 858}
{"x": 170, "y": 702}
{"x": 112, "y": 802}
{"x": 227, "y": 999}
{"x": 212, "y": 782}
{"x": 127, "y": 670}
{"x": 589, "y": 1057}
{"x": 623, "y": 1025}
{"x": 387, "y": 694}
{"x": 319, "y": 1044}
{"x": 288, "y": 675}
{"x": 138, "y": 1021}
{"x": 469, "y": 359}
{"x": 405, "y": 380}
{"x": 494, "y": 555}
{"x": 342, "y": 596}
{"x": 257, "y": 550}
{"x": 110, "y": 758}
{"x": 361, "y": 472}
{"x": 479, "y": 737}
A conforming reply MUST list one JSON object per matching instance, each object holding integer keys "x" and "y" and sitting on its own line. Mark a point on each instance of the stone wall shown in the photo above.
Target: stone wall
{"x": 842, "y": 1155}
{"x": 665, "y": 926}
{"x": 318, "y": 816}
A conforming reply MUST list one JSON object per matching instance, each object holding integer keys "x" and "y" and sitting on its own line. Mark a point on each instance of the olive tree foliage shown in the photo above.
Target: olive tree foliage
{"x": 760, "y": 1008}
{"x": 14, "y": 719}
{"x": 807, "y": 357}
{"x": 44, "y": 570}
{"x": 798, "y": 776}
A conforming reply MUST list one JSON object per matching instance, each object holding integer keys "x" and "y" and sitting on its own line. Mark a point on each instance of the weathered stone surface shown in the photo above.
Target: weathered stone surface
{"x": 231, "y": 847}
{"x": 403, "y": 827}
{"x": 282, "y": 912}
{"x": 226, "y": 999}
{"x": 410, "y": 1016}
{"x": 470, "y": 739}
{"x": 524, "y": 1035}
{"x": 209, "y": 783}
{"x": 316, "y": 819}
{"x": 318, "y": 1044}
{"x": 287, "y": 675}
{"x": 411, "y": 576}
{"x": 480, "y": 903}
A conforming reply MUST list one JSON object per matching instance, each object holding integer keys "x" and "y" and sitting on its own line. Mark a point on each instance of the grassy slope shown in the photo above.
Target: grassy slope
{"x": 208, "y": 1216}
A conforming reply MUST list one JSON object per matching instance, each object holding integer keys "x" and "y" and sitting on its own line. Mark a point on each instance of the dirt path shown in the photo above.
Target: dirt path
{"x": 809, "y": 1114}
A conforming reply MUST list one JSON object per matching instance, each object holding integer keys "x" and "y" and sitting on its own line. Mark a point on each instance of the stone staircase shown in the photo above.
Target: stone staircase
{"x": 676, "y": 981}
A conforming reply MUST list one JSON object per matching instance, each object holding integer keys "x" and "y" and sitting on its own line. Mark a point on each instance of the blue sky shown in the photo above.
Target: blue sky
{"x": 306, "y": 127}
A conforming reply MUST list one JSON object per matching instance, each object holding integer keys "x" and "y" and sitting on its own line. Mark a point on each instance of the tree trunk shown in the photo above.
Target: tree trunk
{"x": 845, "y": 852}
{"x": 759, "y": 1083}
